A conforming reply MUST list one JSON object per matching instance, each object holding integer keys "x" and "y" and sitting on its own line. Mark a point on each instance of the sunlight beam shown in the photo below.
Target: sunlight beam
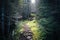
{"x": 32, "y": 1}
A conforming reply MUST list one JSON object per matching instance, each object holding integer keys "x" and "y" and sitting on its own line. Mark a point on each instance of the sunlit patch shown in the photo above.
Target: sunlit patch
{"x": 32, "y": 1}
{"x": 33, "y": 25}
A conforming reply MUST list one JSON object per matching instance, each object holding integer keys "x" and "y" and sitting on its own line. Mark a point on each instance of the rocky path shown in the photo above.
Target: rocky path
{"x": 26, "y": 34}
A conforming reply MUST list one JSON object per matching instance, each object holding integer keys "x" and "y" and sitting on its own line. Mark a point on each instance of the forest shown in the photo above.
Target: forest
{"x": 29, "y": 19}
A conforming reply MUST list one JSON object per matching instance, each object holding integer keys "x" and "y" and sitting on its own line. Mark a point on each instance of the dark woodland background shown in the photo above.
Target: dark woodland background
{"x": 49, "y": 10}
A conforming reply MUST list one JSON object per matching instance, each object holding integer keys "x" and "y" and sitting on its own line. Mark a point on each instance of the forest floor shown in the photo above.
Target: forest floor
{"x": 31, "y": 25}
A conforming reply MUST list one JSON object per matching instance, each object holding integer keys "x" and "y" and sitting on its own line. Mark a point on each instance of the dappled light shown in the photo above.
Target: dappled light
{"x": 33, "y": 25}
{"x": 29, "y": 25}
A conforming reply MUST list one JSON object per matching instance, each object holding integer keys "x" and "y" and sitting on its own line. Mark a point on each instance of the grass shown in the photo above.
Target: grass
{"x": 33, "y": 25}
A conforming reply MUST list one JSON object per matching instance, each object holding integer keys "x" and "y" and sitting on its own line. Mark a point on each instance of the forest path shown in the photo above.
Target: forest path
{"x": 26, "y": 34}
{"x": 30, "y": 29}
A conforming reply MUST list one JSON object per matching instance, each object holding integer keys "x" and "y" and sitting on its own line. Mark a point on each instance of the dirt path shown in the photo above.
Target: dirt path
{"x": 27, "y": 33}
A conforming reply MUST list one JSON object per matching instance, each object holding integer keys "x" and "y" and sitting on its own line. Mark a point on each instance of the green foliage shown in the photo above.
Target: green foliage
{"x": 43, "y": 24}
